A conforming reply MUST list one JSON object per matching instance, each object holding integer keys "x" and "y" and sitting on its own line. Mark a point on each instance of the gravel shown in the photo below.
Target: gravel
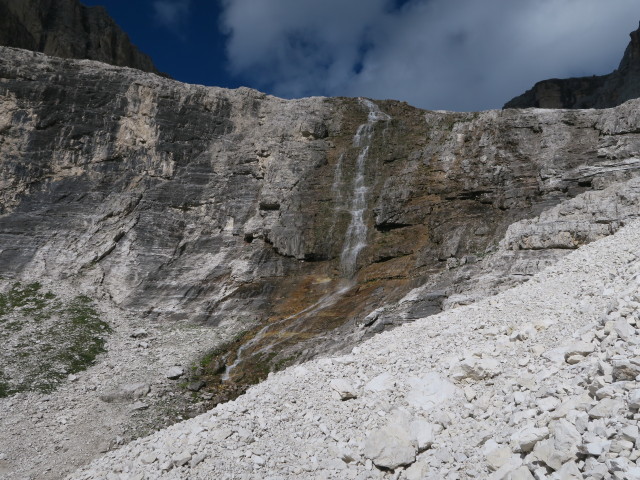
{"x": 537, "y": 382}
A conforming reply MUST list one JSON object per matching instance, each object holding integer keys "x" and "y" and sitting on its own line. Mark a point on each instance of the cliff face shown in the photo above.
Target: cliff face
{"x": 588, "y": 92}
{"x": 68, "y": 29}
{"x": 286, "y": 223}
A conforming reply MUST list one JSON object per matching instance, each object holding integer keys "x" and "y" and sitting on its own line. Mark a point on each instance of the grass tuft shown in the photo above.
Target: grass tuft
{"x": 46, "y": 338}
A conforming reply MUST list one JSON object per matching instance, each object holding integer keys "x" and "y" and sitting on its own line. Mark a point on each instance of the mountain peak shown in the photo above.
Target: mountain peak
{"x": 603, "y": 91}
{"x": 68, "y": 29}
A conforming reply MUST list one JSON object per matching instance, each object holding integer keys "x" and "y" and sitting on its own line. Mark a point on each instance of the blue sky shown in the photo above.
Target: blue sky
{"x": 435, "y": 54}
{"x": 187, "y": 44}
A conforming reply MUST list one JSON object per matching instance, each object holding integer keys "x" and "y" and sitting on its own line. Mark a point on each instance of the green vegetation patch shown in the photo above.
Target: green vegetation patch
{"x": 45, "y": 339}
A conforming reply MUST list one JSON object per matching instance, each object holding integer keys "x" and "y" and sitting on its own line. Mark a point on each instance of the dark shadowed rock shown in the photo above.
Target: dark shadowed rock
{"x": 588, "y": 92}
{"x": 68, "y": 29}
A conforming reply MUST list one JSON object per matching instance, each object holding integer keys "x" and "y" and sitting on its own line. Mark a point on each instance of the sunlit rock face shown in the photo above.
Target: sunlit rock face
{"x": 588, "y": 92}
{"x": 68, "y": 29}
{"x": 242, "y": 210}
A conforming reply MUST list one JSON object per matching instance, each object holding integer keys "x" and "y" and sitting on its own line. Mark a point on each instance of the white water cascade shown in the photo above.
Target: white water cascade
{"x": 321, "y": 304}
{"x": 355, "y": 236}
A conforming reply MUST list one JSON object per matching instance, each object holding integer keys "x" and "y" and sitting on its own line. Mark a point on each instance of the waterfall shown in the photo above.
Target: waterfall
{"x": 324, "y": 302}
{"x": 356, "y": 235}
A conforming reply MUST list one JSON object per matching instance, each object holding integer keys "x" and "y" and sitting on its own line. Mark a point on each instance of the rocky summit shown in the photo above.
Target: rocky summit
{"x": 164, "y": 246}
{"x": 68, "y": 29}
{"x": 602, "y": 91}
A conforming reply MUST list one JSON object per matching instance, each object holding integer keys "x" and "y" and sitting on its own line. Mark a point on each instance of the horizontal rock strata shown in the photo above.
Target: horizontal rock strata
{"x": 233, "y": 208}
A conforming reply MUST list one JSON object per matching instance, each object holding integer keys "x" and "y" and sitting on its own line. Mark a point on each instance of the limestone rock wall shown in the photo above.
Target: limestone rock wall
{"x": 232, "y": 208}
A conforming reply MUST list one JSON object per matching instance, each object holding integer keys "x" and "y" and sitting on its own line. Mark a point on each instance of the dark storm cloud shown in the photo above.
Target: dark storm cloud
{"x": 439, "y": 54}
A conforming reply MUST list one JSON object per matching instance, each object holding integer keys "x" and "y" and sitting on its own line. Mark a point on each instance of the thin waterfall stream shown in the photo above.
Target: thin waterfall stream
{"x": 355, "y": 237}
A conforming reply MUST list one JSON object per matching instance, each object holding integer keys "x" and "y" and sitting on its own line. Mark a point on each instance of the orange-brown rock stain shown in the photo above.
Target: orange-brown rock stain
{"x": 405, "y": 172}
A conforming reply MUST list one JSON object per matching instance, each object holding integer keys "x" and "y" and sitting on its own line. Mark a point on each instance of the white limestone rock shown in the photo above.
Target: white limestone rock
{"x": 429, "y": 391}
{"x": 390, "y": 447}
{"x": 417, "y": 471}
{"x": 548, "y": 403}
{"x": 219, "y": 435}
{"x": 380, "y": 383}
{"x": 625, "y": 331}
{"x": 520, "y": 473}
{"x": 175, "y": 373}
{"x": 634, "y": 399}
{"x": 148, "y": 458}
{"x": 595, "y": 448}
{"x": 514, "y": 463}
{"x": 558, "y": 449}
{"x": 344, "y": 389}
{"x": 498, "y": 457}
{"x": 474, "y": 368}
{"x": 579, "y": 349}
{"x": 607, "y": 407}
{"x": 181, "y": 459}
{"x": 580, "y": 419}
{"x": 569, "y": 471}
{"x": 630, "y": 433}
{"x": 137, "y": 406}
{"x": 525, "y": 439}
{"x": 130, "y": 391}
{"x": 423, "y": 433}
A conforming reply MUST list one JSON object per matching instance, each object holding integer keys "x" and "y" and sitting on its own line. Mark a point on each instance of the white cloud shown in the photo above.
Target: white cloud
{"x": 456, "y": 54}
{"x": 299, "y": 46}
{"x": 172, "y": 14}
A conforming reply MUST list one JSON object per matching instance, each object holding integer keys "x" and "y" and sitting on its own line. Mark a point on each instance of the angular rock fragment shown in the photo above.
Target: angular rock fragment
{"x": 429, "y": 391}
{"x": 417, "y": 471}
{"x": 520, "y": 473}
{"x": 181, "y": 459}
{"x": 607, "y": 407}
{"x": 548, "y": 403}
{"x": 139, "y": 333}
{"x": 131, "y": 391}
{"x": 630, "y": 433}
{"x": 382, "y": 382}
{"x": 525, "y": 439}
{"x": 345, "y": 390}
{"x": 390, "y": 447}
{"x": 196, "y": 386}
{"x": 498, "y": 457}
{"x": 595, "y": 448}
{"x": 423, "y": 433}
{"x": 625, "y": 368}
{"x": 558, "y": 449}
{"x": 625, "y": 331}
{"x": 569, "y": 471}
{"x": 174, "y": 373}
{"x": 137, "y": 406}
{"x": 634, "y": 399}
{"x": 196, "y": 459}
{"x": 476, "y": 369}
{"x": 512, "y": 465}
{"x": 577, "y": 350}
{"x": 148, "y": 458}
